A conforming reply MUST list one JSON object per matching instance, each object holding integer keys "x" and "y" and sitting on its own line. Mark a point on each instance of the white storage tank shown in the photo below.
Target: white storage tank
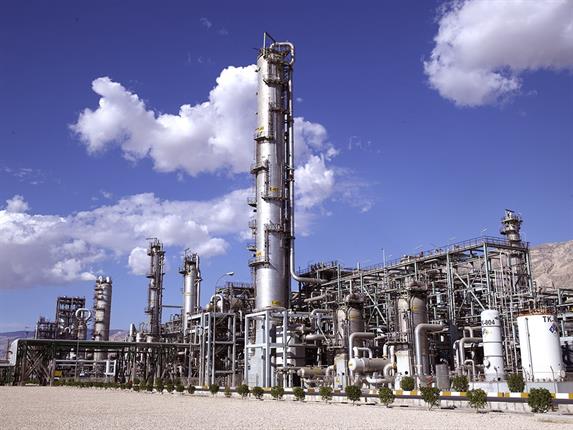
{"x": 541, "y": 358}
{"x": 492, "y": 345}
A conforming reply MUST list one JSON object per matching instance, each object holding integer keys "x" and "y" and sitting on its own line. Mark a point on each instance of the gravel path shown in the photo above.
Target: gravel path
{"x": 72, "y": 408}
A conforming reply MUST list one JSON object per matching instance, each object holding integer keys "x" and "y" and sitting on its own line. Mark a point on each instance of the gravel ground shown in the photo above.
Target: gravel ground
{"x": 74, "y": 408}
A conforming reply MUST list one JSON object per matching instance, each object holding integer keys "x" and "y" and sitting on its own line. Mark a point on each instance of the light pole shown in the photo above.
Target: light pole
{"x": 222, "y": 276}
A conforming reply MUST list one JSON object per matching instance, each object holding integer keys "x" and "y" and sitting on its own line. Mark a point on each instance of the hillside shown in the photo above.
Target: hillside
{"x": 552, "y": 264}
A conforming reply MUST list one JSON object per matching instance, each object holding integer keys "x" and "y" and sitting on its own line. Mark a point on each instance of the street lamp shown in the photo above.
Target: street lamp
{"x": 222, "y": 276}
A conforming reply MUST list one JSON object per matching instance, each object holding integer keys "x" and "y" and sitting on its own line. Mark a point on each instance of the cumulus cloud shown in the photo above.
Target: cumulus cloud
{"x": 483, "y": 47}
{"x": 40, "y": 249}
{"x": 16, "y": 204}
{"x": 215, "y": 135}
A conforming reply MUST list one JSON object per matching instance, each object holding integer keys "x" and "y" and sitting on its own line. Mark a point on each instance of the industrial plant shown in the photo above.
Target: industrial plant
{"x": 469, "y": 308}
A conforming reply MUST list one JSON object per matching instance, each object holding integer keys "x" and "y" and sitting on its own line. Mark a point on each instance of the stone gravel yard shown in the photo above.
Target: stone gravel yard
{"x": 72, "y": 408}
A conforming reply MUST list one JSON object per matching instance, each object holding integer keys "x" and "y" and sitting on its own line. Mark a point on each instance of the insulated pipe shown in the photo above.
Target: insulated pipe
{"x": 461, "y": 350}
{"x": 420, "y": 332}
{"x": 358, "y": 335}
{"x": 313, "y": 337}
{"x": 290, "y": 173}
{"x": 356, "y": 349}
{"x": 470, "y": 330}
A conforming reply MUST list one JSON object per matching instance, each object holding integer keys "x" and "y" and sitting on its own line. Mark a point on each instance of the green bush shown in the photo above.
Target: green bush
{"x": 407, "y": 383}
{"x": 515, "y": 383}
{"x": 129, "y": 385}
{"x": 431, "y": 396}
{"x": 179, "y": 387}
{"x": 325, "y": 393}
{"x": 477, "y": 399}
{"x": 136, "y": 381}
{"x": 169, "y": 386}
{"x": 227, "y": 391}
{"x": 143, "y": 385}
{"x": 298, "y": 393}
{"x": 353, "y": 393}
{"x": 214, "y": 389}
{"x": 386, "y": 396}
{"x": 159, "y": 386}
{"x": 277, "y": 392}
{"x": 258, "y": 392}
{"x": 149, "y": 386}
{"x": 136, "y": 388}
{"x": 243, "y": 390}
{"x": 460, "y": 383}
{"x": 191, "y": 388}
{"x": 540, "y": 400}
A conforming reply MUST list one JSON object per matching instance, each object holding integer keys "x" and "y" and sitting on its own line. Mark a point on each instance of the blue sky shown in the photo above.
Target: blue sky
{"x": 424, "y": 156}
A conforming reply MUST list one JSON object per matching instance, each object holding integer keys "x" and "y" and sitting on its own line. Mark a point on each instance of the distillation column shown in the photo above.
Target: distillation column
{"x": 102, "y": 312}
{"x": 191, "y": 288}
{"x": 155, "y": 289}
{"x": 270, "y": 264}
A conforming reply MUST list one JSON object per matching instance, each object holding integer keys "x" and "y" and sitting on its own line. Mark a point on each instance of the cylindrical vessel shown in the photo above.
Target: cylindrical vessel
{"x": 191, "y": 278}
{"x": 271, "y": 229}
{"x": 492, "y": 345}
{"x": 102, "y": 308}
{"x": 367, "y": 365}
{"x": 541, "y": 357}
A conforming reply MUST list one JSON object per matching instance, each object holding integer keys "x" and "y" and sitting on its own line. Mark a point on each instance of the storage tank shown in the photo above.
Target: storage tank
{"x": 541, "y": 358}
{"x": 492, "y": 345}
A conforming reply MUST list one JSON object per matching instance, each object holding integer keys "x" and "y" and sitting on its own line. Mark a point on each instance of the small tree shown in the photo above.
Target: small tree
{"x": 277, "y": 392}
{"x": 460, "y": 383}
{"x": 515, "y": 382}
{"x": 159, "y": 385}
{"x": 214, "y": 389}
{"x": 477, "y": 399}
{"x": 407, "y": 383}
{"x": 227, "y": 391}
{"x": 540, "y": 400}
{"x": 258, "y": 392}
{"x": 353, "y": 393}
{"x": 386, "y": 396}
{"x": 431, "y": 396}
{"x": 325, "y": 393}
{"x": 243, "y": 390}
{"x": 179, "y": 387}
{"x": 298, "y": 393}
{"x": 191, "y": 389}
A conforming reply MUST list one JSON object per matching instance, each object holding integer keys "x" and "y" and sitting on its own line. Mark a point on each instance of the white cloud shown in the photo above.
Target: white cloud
{"x": 47, "y": 249}
{"x": 314, "y": 183}
{"x": 17, "y": 204}
{"x": 138, "y": 261}
{"x": 215, "y": 135}
{"x": 482, "y": 47}
{"x": 205, "y": 22}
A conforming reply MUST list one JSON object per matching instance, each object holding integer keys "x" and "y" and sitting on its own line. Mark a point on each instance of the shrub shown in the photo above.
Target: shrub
{"x": 129, "y": 385}
{"x": 407, "y": 383}
{"x": 136, "y": 388}
{"x": 122, "y": 386}
{"x": 258, "y": 393}
{"x": 386, "y": 396}
{"x": 227, "y": 391}
{"x": 179, "y": 387}
{"x": 191, "y": 388}
{"x": 325, "y": 393}
{"x": 477, "y": 399}
{"x": 515, "y": 383}
{"x": 431, "y": 396}
{"x": 353, "y": 393}
{"x": 277, "y": 392}
{"x": 460, "y": 383}
{"x": 298, "y": 393}
{"x": 169, "y": 386}
{"x": 243, "y": 390}
{"x": 540, "y": 400}
{"x": 149, "y": 386}
{"x": 159, "y": 385}
{"x": 136, "y": 381}
{"x": 142, "y": 385}
{"x": 214, "y": 389}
